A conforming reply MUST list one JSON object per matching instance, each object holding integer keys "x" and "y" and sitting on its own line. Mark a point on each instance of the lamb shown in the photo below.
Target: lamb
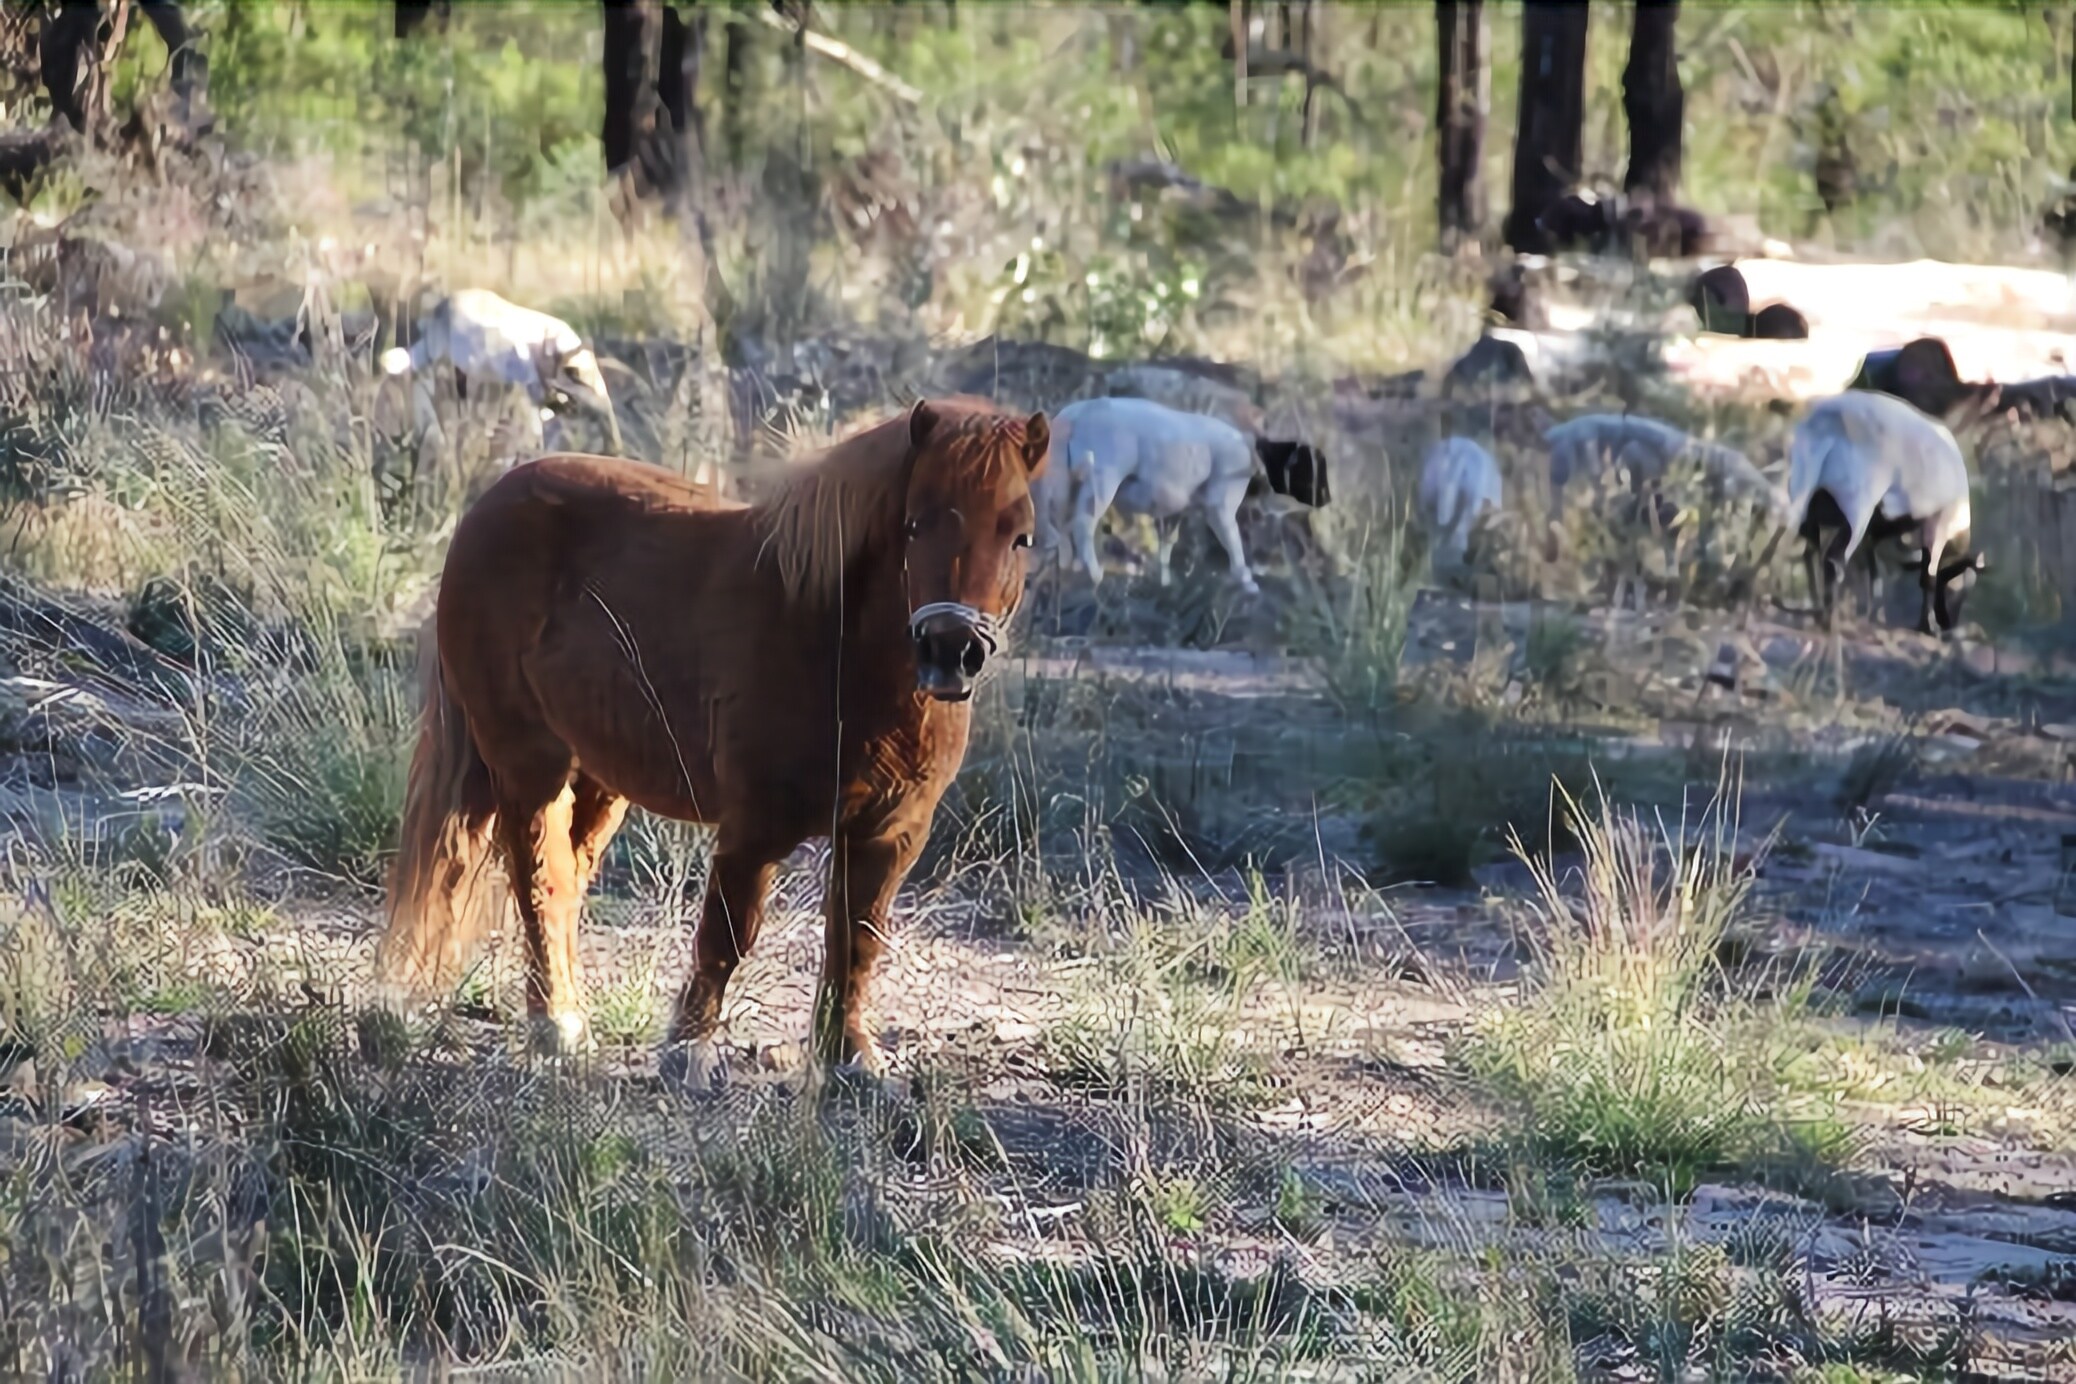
{"x": 487, "y": 339}
{"x": 1459, "y": 481}
{"x": 1867, "y": 466}
{"x": 1145, "y": 458}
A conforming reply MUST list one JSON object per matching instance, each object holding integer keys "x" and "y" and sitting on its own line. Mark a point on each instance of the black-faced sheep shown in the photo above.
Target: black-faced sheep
{"x": 1865, "y": 466}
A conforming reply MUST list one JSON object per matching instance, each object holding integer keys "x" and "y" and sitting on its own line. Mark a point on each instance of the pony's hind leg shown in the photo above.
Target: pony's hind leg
{"x": 542, "y": 862}
{"x": 596, "y": 813}
{"x": 736, "y": 885}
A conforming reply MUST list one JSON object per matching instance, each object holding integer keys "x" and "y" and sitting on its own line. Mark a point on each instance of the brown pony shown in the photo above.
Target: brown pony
{"x": 608, "y": 633}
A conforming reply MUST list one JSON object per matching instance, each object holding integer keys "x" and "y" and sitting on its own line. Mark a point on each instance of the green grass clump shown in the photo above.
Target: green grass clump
{"x": 1634, "y": 1052}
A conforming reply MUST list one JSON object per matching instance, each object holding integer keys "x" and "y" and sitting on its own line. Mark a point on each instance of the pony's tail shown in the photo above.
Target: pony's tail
{"x": 444, "y": 894}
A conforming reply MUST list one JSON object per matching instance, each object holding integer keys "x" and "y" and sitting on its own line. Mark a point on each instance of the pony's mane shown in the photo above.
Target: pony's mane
{"x": 850, "y": 502}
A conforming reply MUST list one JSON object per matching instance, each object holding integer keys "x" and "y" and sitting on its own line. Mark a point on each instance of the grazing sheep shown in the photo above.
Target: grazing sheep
{"x": 1141, "y": 457}
{"x": 1594, "y": 443}
{"x": 1185, "y": 391}
{"x": 1867, "y": 465}
{"x": 1459, "y": 481}
{"x": 1646, "y": 450}
{"x": 486, "y": 339}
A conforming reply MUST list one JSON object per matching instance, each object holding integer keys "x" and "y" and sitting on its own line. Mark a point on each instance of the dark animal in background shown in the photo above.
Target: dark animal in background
{"x": 1492, "y": 362}
{"x": 1662, "y": 230}
{"x": 1641, "y": 226}
{"x": 1779, "y": 322}
{"x": 2047, "y": 397}
{"x": 1578, "y": 220}
{"x": 1722, "y": 300}
{"x": 1922, "y": 374}
{"x": 1516, "y": 302}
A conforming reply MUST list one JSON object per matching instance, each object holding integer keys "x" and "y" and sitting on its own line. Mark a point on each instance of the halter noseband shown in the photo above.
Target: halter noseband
{"x": 984, "y": 625}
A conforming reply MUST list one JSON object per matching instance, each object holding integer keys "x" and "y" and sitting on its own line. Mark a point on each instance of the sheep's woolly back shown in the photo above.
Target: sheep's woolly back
{"x": 1866, "y": 450}
{"x": 1580, "y": 445}
{"x": 1459, "y": 480}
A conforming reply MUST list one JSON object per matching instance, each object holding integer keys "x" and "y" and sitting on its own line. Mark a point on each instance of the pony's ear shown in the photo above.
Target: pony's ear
{"x": 1037, "y": 442}
{"x": 922, "y": 420}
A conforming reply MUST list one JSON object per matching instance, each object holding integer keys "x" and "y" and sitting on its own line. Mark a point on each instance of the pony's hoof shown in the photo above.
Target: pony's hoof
{"x": 693, "y": 1068}
{"x": 562, "y": 1035}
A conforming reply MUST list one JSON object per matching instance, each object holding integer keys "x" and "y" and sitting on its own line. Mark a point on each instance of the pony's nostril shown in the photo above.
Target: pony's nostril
{"x": 971, "y": 658}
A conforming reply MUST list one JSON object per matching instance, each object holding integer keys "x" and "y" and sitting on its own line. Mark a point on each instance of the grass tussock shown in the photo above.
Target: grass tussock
{"x": 1634, "y": 1051}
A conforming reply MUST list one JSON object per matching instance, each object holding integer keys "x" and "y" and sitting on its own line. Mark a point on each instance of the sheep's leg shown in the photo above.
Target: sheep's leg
{"x": 1165, "y": 532}
{"x": 1222, "y": 508}
{"x": 1837, "y": 553}
{"x": 1928, "y": 579}
{"x": 1095, "y": 490}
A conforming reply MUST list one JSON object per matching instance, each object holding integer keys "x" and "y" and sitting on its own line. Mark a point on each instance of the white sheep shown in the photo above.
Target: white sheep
{"x": 1646, "y": 450}
{"x": 1141, "y": 457}
{"x": 1867, "y": 466}
{"x": 489, "y": 340}
{"x": 1595, "y": 443}
{"x": 1459, "y": 481}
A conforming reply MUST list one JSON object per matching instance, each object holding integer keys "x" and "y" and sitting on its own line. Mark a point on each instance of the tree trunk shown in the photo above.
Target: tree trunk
{"x": 78, "y": 42}
{"x": 677, "y": 78}
{"x": 742, "y": 80}
{"x": 1461, "y": 104}
{"x": 411, "y": 15}
{"x": 1307, "y": 32}
{"x": 1549, "y": 137}
{"x": 1236, "y": 16}
{"x": 639, "y": 136}
{"x": 1653, "y": 101}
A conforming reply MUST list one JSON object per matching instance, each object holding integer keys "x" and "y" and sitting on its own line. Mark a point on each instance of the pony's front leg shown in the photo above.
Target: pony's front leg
{"x": 865, "y": 870}
{"x": 736, "y": 886}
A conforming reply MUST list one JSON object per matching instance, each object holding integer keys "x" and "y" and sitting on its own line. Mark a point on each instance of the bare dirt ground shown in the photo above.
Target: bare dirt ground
{"x": 1932, "y": 902}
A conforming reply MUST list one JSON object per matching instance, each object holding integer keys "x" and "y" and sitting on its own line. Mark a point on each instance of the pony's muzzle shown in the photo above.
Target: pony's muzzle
{"x": 950, "y": 651}
{"x": 948, "y": 660}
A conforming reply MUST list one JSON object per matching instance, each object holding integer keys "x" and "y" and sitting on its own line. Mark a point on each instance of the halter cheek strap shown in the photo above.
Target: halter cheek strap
{"x": 983, "y": 624}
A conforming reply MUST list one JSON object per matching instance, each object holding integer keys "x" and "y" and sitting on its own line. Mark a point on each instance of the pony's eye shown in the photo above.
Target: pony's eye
{"x": 1022, "y": 540}
{"x": 912, "y": 526}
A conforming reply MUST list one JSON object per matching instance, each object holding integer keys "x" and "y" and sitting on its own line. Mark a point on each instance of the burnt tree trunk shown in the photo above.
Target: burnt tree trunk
{"x": 410, "y": 15}
{"x": 677, "y": 77}
{"x": 639, "y": 135}
{"x": 1549, "y": 136}
{"x": 742, "y": 81}
{"x": 1463, "y": 98}
{"x": 78, "y": 41}
{"x": 1307, "y": 34}
{"x": 1653, "y": 101}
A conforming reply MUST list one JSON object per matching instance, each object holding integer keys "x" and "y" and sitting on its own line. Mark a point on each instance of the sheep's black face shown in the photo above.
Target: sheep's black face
{"x": 1296, "y": 469}
{"x": 1957, "y": 579}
